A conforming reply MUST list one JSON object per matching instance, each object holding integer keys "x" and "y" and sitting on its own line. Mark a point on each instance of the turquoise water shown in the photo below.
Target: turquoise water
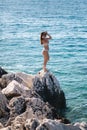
{"x": 22, "y": 21}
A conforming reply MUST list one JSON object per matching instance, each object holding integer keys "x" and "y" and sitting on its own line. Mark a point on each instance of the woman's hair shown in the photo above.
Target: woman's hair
{"x": 43, "y": 34}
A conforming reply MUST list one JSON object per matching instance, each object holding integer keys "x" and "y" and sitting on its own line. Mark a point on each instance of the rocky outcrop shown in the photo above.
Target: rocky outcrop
{"x": 33, "y": 102}
{"x": 48, "y": 87}
{"x": 44, "y": 84}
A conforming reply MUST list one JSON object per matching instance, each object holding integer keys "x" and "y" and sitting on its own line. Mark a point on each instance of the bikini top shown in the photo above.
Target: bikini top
{"x": 45, "y": 43}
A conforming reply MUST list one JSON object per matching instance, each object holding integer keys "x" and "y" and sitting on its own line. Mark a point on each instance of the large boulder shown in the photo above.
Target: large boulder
{"x": 21, "y": 78}
{"x": 14, "y": 89}
{"x": 26, "y": 78}
{"x": 40, "y": 108}
{"x": 17, "y": 105}
{"x": 48, "y": 87}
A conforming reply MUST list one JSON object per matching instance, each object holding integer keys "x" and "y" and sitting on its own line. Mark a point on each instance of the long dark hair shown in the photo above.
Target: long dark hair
{"x": 41, "y": 37}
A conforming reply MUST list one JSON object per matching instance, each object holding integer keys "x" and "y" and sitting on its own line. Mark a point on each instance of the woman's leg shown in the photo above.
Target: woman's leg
{"x": 46, "y": 58}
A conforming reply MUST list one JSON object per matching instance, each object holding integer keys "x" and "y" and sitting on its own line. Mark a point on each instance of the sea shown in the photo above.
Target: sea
{"x": 21, "y": 23}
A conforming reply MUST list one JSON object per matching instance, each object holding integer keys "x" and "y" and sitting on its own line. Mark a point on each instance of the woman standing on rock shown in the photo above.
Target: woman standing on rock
{"x": 44, "y": 38}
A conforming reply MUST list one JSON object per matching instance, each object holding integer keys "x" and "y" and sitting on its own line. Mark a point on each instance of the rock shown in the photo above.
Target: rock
{"x": 18, "y": 127}
{"x": 1, "y": 125}
{"x": 64, "y": 120}
{"x": 17, "y": 105}
{"x": 40, "y": 109}
{"x": 20, "y": 111}
{"x": 2, "y": 72}
{"x": 6, "y": 128}
{"x": 47, "y": 86}
{"x": 49, "y": 124}
{"x": 27, "y": 78}
{"x": 6, "y": 79}
{"x": 21, "y": 78}
{"x": 14, "y": 89}
{"x": 31, "y": 124}
{"x": 21, "y": 119}
{"x": 30, "y": 94}
{"x": 82, "y": 125}
{"x": 3, "y": 105}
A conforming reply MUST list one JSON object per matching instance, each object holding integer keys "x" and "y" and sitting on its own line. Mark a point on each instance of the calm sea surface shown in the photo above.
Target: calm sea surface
{"x": 22, "y": 21}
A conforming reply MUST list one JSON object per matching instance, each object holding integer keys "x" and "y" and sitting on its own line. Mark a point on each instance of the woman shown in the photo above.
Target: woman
{"x": 44, "y": 38}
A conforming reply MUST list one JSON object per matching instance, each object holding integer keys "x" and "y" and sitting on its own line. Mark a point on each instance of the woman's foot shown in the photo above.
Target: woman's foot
{"x": 45, "y": 69}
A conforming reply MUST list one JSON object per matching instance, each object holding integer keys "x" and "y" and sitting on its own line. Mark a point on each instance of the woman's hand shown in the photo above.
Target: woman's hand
{"x": 49, "y": 36}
